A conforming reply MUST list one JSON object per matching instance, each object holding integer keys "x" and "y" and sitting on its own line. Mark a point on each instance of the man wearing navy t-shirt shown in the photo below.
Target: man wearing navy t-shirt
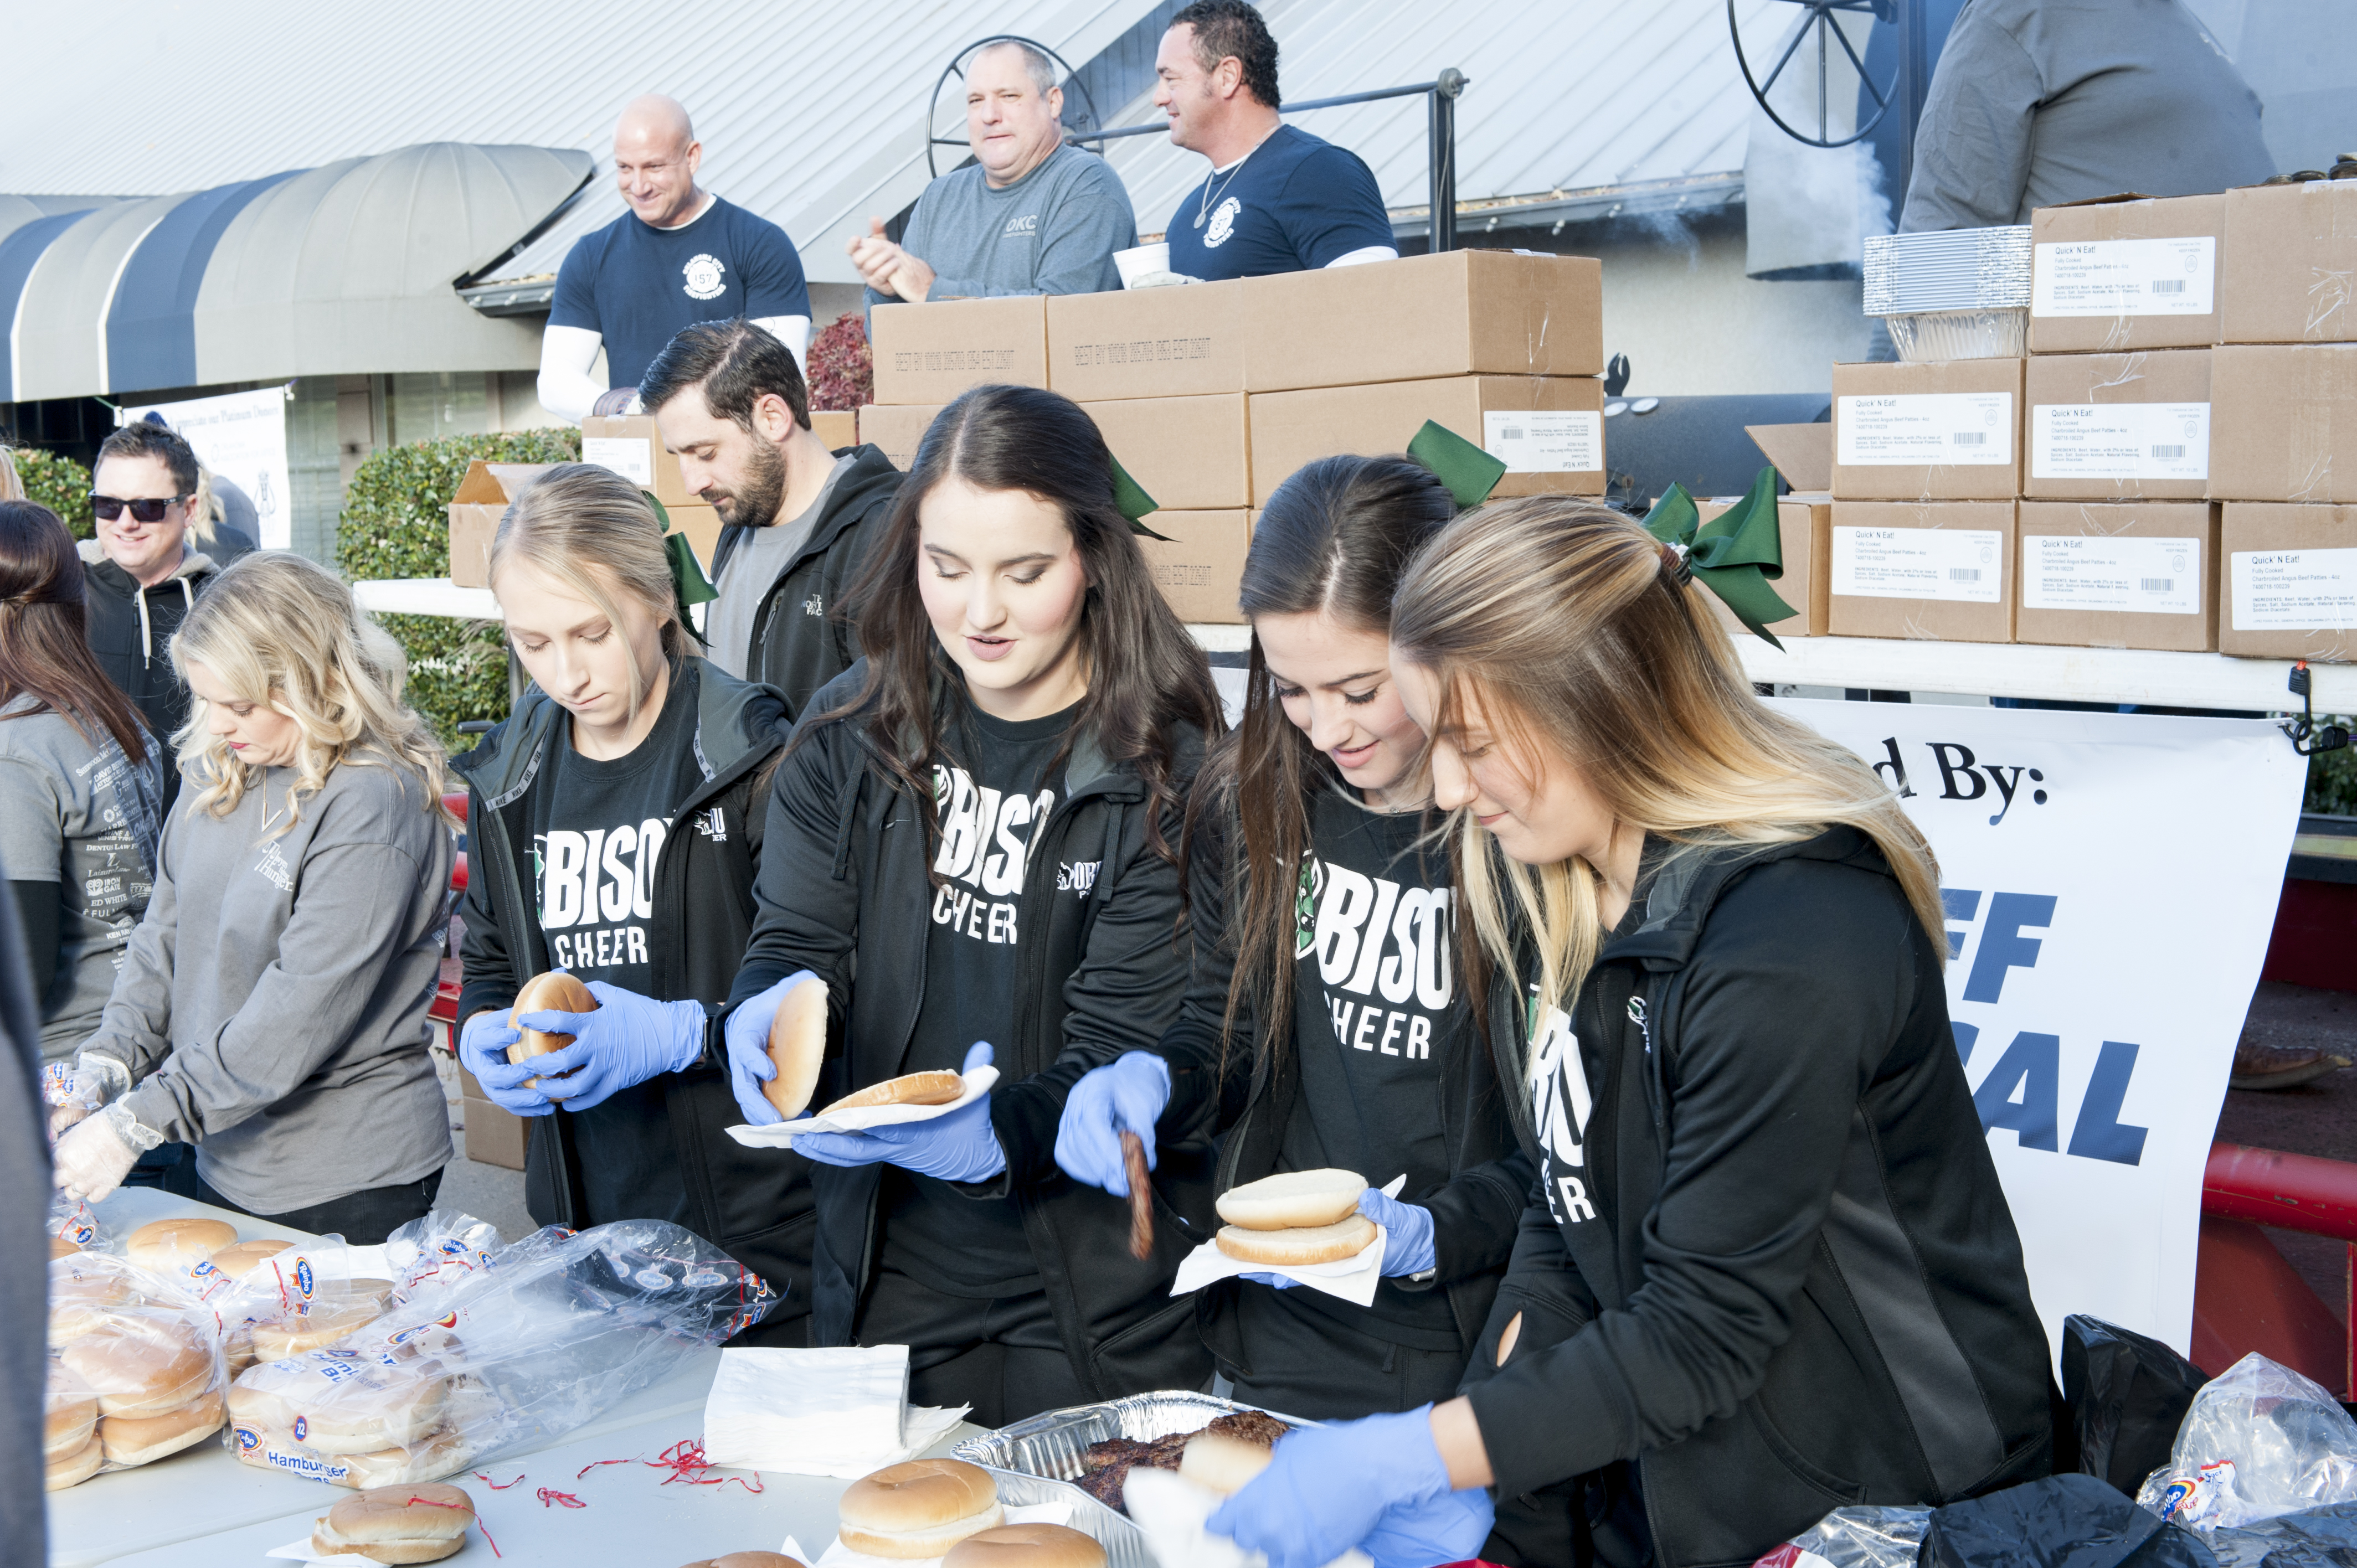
{"x": 679, "y": 256}
{"x": 1277, "y": 199}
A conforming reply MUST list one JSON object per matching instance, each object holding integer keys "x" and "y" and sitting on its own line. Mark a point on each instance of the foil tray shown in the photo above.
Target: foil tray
{"x": 1035, "y": 1460}
{"x": 1959, "y": 333}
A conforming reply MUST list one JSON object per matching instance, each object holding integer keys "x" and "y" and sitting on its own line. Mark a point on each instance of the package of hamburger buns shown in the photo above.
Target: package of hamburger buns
{"x": 275, "y": 1299}
{"x": 555, "y": 1330}
{"x": 439, "y": 1250}
{"x": 148, "y": 1356}
{"x": 74, "y": 1227}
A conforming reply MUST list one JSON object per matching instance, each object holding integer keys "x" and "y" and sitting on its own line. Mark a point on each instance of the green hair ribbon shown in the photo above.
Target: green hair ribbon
{"x": 1129, "y": 499}
{"x": 689, "y": 586}
{"x": 1469, "y": 472}
{"x": 1735, "y": 554}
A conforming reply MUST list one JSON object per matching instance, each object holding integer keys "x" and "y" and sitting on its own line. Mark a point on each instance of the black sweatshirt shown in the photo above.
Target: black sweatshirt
{"x": 844, "y": 893}
{"x": 1773, "y": 1267}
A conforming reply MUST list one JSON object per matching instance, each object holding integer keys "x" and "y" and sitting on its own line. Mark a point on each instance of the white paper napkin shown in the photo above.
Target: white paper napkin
{"x": 838, "y": 1555}
{"x": 781, "y": 1135}
{"x": 1353, "y": 1279}
{"x": 300, "y": 1551}
{"x": 833, "y": 1411}
{"x": 1171, "y": 1510}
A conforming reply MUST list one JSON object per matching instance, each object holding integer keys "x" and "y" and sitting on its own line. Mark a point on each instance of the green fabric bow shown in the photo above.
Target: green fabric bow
{"x": 1129, "y": 498}
{"x": 689, "y": 586}
{"x": 1469, "y": 472}
{"x": 1735, "y": 554}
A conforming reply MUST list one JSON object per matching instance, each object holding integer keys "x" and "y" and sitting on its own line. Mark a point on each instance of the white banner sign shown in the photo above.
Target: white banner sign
{"x": 2110, "y": 882}
{"x": 241, "y": 438}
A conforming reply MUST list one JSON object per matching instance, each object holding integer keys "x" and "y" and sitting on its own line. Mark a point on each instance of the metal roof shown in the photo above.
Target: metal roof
{"x": 811, "y": 111}
{"x": 1565, "y": 96}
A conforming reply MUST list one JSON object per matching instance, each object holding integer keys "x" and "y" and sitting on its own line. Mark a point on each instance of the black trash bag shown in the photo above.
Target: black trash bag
{"x": 2062, "y": 1521}
{"x": 2314, "y": 1538}
{"x": 2128, "y": 1395}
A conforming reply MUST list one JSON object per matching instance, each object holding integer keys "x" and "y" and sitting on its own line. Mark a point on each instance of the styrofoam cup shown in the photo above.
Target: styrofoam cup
{"x": 1142, "y": 262}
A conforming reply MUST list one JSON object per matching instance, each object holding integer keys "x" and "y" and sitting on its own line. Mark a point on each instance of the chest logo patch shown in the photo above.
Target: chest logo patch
{"x": 273, "y": 869}
{"x": 1020, "y": 228}
{"x": 1223, "y": 223}
{"x": 1559, "y": 1107}
{"x": 704, "y": 277}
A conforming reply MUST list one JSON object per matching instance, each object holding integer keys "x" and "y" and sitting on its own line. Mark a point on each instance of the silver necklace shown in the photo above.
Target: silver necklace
{"x": 1203, "y": 204}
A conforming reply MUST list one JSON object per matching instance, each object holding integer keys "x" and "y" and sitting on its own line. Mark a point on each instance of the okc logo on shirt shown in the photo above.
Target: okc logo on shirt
{"x": 1223, "y": 223}
{"x": 1026, "y": 225}
{"x": 986, "y": 846}
{"x": 705, "y": 277}
{"x": 1559, "y": 1108}
{"x": 593, "y": 886}
{"x": 1374, "y": 939}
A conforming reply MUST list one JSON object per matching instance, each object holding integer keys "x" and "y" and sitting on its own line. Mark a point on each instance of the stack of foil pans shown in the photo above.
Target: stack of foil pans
{"x": 1955, "y": 294}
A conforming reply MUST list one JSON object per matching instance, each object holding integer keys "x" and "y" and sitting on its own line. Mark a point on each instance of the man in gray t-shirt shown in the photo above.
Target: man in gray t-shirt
{"x": 2037, "y": 102}
{"x": 1031, "y": 216}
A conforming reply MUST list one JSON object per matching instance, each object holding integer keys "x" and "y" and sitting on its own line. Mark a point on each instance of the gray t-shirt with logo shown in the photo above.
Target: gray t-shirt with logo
{"x": 85, "y": 818}
{"x": 760, "y": 558}
{"x": 1052, "y": 232}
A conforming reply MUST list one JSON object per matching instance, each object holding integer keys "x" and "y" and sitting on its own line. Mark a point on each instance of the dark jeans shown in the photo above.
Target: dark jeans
{"x": 1307, "y": 1364}
{"x": 1003, "y": 1357}
{"x": 156, "y": 1167}
{"x": 363, "y": 1218}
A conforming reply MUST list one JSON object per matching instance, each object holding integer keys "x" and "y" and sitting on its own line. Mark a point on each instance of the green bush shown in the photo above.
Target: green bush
{"x": 59, "y": 483}
{"x": 396, "y": 523}
{"x": 2333, "y": 775}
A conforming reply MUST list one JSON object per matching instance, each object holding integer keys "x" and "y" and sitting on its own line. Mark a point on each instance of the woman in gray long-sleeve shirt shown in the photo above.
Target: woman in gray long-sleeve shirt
{"x": 270, "y": 1007}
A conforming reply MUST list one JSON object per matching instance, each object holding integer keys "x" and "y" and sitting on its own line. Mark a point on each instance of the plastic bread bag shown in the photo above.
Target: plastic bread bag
{"x": 75, "y": 1228}
{"x": 557, "y": 1329}
{"x": 2261, "y": 1440}
{"x": 297, "y": 1299}
{"x": 439, "y": 1250}
{"x": 1861, "y": 1536}
{"x": 153, "y": 1366}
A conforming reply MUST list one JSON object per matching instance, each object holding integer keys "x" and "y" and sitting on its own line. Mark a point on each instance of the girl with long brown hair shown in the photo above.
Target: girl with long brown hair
{"x": 80, "y": 782}
{"x": 972, "y": 840}
{"x": 1772, "y": 1265}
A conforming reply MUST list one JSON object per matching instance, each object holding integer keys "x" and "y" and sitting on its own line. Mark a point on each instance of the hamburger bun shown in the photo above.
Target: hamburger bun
{"x": 937, "y": 1086}
{"x": 274, "y": 1339}
{"x": 61, "y": 1248}
{"x": 797, "y": 1047}
{"x": 918, "y": 1509}
{"x": 83, "y": 1296}
{"x": 1222, "y": 1463}
{"x": 168, "y": 1246}
{"x": 142, "y": 1365}
{"x": 751, "y": 1560}
{"x": 70, "y": 1413}
{"x": 377, "y": 1294}
{"x": 74, "y": 1468}
{"x": 1300, "y": 1247}
{"x": 405, "y": 1523}
{"x": 555, "y": 992}
{"x": 1027, "y": 1546}
{"x": 239, "y": 1258}
{"x": 1292, "y": 1200}
{"x": 428, "y": 1459}
{"x": 136, "y": 1439}
{"x": 368, "y": 1417}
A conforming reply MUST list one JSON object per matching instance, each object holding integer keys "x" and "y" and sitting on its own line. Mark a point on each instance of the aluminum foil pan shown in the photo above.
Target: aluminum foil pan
{"x": 1036, "y": 1460}
{"x": 1959, "y": 333}
{"x": 1953, "y": 269}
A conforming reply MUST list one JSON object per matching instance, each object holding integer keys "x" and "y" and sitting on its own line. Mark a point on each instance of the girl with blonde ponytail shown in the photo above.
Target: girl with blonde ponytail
{"x": 271, "y": 1006}
{"x": 1772, "y": 1265}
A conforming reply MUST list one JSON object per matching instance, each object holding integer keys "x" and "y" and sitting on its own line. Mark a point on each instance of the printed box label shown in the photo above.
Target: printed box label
{"x": 2119, "y": 441}
{"x": 1544, "y": 442}
{"x": 2295, "y": 590}
{"x": 2148, "y": 576}
{"x": 632, "y": 457}
{"x": 1913, "y": 430}
{"x": 2124, "y": 277}
{"x": 1956, "y": 565}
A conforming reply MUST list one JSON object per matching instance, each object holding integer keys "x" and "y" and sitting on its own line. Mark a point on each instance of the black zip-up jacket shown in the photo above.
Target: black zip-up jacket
{"x": 1777, "y": 1272}
{"x": 130, "y": 628}
{"x": 1476, "y": 1213}
{"x": 800, "y": 640}
{"x": 753, "y": 1203}
{"x": 844, "y": 893}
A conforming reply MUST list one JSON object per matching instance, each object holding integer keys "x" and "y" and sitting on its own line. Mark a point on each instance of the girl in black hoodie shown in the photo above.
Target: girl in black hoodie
{"x": 1768, "y": 1269}
{"x": 973, "y": 841}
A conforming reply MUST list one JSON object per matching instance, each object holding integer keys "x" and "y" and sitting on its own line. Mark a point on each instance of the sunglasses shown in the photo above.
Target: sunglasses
{"x": 149, "y": 508}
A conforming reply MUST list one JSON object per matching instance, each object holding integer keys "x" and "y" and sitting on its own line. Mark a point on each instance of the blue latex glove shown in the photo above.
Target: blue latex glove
{"x": 747, "y": 1033}
{"x": 483, "y": 1048}
{"x": 628, "y": 1040}
{"x": 1407, "y": 1232}
{"x": 1398, "y": 1499}
{"x": 960, "y": 1146}
{"x": 1273, "y": 1282}
{"x": 1125, "y": 1095}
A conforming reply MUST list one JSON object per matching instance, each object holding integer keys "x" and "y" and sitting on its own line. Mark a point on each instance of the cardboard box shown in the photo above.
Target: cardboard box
{"x": 2289, "y": 585}
{"x": 494, "y": 1136}
{"x": 701, "y": 526}
{"x": 1804, "y": 527}
{"x": 2125, "y": 271}
{"x": 1936, "y": 570}
{"x": 1942, "y": 430}
{"x": 896, "y": 429}
{"x": 838, "y": 427}
{"x": 2118, "y": 426}
{"x": 2118, "y": 574}
{"x": 1460, "y": 313}
{"x": 1191, "y": 453}
{"x": 1802, "y": 454}
{"x": 481, "y": 500}
{"x": 929, "y": 353}
{"x": 1147, "y": 342}
{"x": 2290, "y": 269}
{"x": 1201, "y": 566}
{"x": 633, "y": 448}
{"x": 2283, "y": 424}
{"x": 1560, "y": 453}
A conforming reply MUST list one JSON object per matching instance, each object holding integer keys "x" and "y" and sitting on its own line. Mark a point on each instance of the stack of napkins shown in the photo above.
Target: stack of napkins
{"x": 842, "y": 1412}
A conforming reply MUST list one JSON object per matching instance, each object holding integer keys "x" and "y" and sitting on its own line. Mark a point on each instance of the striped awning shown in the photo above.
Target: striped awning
{"x": 343, "y": 268}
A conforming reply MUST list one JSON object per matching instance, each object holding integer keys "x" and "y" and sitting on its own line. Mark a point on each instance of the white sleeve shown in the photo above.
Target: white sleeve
{"x": 795, "y": 332}
{"x": 566, "y": 356}
{"x": 1347, "y": 258}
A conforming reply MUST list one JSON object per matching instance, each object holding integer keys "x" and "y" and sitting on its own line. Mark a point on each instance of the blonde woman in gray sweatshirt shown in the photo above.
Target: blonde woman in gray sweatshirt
{"x": 271, "y": 1006}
